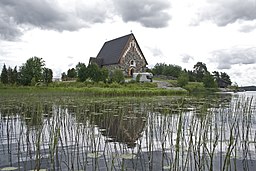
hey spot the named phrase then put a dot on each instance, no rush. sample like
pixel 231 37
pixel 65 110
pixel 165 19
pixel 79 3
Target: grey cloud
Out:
pixel 8 29
pixel 96 13
pixel 156 52
pixel 228 11
pixel 246 28
pixel 149 13
pixel 186 58
pixel 70 64
pixel 70 57
pixel 15 15
pixel 225 58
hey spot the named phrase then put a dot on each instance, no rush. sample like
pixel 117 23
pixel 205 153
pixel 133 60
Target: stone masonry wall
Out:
pixel 132 53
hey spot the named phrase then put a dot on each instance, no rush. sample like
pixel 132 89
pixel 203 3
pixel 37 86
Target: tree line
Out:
pixel 34 72
pixel 94 73
pixel 199 73
pixel 30 73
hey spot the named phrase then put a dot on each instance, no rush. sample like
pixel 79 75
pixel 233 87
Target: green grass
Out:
pixel 94 89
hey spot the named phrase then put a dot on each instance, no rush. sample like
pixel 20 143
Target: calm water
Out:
pixel 74 132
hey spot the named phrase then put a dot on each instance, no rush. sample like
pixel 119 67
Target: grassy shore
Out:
pixel 94 89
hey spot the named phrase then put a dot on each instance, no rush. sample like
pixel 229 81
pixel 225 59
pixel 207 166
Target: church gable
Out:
pixel 132 49
pixel 132 59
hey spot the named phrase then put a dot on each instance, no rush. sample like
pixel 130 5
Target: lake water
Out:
pixel 75 132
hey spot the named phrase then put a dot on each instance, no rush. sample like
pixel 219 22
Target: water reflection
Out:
pixel 169 133
pixel 124 128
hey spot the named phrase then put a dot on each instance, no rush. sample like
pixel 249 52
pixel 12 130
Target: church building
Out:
pixel 122 53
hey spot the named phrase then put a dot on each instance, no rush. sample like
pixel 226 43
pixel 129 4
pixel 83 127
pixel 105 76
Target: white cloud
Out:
pixel 227 12
pixel 65 32
pixel 225 58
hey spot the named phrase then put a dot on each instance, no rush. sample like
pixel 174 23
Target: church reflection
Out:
pixel 123 126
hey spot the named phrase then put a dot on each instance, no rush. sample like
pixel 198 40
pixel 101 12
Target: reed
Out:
pixel 74 131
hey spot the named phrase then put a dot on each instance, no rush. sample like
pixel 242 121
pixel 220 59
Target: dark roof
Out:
pixel 98 61
pixel 112 50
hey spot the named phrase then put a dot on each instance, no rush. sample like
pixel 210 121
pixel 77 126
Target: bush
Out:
pixel 117 76
pixel 183 79
pixel 195 87
pixel 208 81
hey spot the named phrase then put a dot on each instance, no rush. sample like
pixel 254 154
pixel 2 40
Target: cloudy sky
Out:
pixel 220 33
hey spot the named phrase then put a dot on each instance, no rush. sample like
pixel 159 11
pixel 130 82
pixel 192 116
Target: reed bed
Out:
pixel 76 132
pixel 134 91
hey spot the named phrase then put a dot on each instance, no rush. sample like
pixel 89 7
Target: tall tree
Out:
pixel 82 72
pixel 225 77
pixel 47 75
pixel 10 75
pixel 216 76
pixel 4 75
pixel 200 70
pixel 104 74
pixel 79 66
pixel 64 77
pixel 32 69
pixel 94 72
pixel 72 73
pixel 15 75
pixel 191 76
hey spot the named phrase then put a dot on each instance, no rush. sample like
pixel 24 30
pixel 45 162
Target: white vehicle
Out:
pixel 144 77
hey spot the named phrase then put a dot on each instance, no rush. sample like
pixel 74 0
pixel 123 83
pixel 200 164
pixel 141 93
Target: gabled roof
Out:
pixel 112 50
pixel 98 61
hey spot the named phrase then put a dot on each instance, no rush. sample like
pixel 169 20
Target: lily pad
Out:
pixel 167 167
pixel 95 155
pixel 9 168
pixel 127 156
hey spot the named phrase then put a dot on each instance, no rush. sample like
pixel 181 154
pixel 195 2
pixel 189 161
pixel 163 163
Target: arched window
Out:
pixel 132 63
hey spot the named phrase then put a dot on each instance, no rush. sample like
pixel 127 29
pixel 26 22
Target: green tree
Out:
pixel 64 77
pixel 79 66
pixel 183 79
pixel 167 70
pixel 172 70
pixel 225 77
pixel 94 72
pixel 191 76
pixel 15 75
pixel 33 68
pixel 10 75
pixel 208 81
pixel 200 70
pixel 4 75
pixel 158 69
pixel 216 76
pixel 117 76
pixel 82 72
pixel 72 73
pixel 104 74
pixel 47 75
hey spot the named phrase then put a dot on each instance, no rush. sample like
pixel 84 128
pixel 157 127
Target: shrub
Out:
pixel 183 79
pixel 117 76
pixel 195 87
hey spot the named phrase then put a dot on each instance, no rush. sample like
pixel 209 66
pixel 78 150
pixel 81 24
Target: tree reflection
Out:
pixel 124 125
